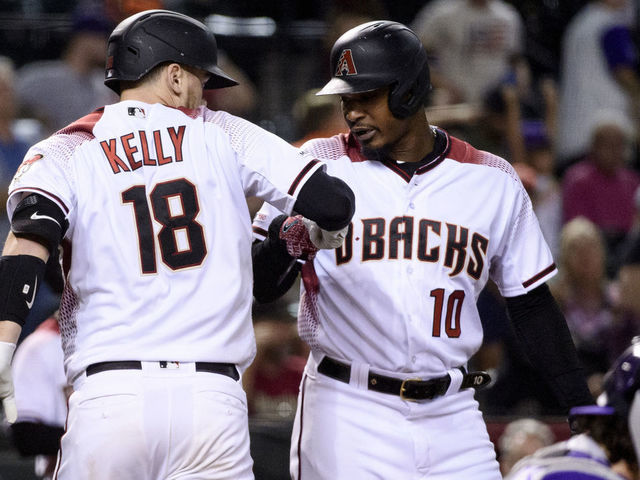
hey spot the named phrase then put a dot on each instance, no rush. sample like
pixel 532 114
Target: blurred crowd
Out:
pixel 551 86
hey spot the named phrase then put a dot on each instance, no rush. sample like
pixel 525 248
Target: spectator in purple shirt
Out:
pixel 601 187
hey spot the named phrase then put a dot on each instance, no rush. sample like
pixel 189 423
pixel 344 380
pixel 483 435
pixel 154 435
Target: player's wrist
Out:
pixel 6 381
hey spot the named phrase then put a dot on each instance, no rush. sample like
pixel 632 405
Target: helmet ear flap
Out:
pixel 407 98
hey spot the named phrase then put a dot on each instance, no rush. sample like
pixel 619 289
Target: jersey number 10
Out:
pixel 172 224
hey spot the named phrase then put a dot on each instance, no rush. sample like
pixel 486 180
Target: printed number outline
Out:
pixel 452 314
pixel 172 257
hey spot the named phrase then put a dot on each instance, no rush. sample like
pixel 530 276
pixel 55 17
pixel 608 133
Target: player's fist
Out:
pixel 324 238
pixel 294 233
pixel 6 381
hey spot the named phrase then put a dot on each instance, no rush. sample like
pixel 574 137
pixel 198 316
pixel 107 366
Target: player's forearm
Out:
pixel 542 330
pixel 24 246
pixel 22 264
pixel 9 331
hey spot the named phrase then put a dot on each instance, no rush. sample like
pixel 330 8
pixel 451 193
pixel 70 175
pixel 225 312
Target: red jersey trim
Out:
pixel 353 147
pixel 45 193
pixel 260 231
pixel 84 124
pixel 538 276
pixel 301 175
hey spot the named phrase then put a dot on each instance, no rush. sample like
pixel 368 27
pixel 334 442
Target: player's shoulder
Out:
pixel 341 146
pixel 67 139
pixel 463 152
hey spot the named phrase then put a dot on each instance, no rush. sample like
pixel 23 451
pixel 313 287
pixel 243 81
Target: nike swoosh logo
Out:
pixel 33 295
pixel 35 216
pixel 289 225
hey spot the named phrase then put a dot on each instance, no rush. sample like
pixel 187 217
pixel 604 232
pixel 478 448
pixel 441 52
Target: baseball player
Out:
pixel 41 393
pixel 608 442
pixel 155 314
pixel 391 316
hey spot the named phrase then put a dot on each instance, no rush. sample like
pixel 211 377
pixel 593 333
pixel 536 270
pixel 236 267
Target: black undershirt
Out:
pixel 439 146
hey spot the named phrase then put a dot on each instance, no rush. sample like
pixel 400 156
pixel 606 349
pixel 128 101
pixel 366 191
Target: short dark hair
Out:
pixel 150 76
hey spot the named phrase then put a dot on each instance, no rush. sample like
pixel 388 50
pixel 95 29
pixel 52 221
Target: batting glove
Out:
pixel 6 381
pixel 293 232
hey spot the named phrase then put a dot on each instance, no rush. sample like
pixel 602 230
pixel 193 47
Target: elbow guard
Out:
pixel 41 220
pixel 20 276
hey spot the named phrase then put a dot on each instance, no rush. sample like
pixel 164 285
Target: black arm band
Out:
pixel 274 270
pixel 36 438
pixel 39 219
pixel 326 200
pixel 20 278
pixel 542 332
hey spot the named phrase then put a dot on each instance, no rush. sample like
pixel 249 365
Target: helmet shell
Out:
pixel 381 54
pixel 144 40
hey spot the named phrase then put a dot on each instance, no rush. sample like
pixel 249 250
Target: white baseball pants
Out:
pixel 154 424
pixel 343 431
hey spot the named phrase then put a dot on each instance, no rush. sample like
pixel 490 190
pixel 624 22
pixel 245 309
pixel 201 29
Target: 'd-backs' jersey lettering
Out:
pixel 400 293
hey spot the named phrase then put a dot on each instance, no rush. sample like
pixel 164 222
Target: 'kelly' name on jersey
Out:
pixel 132 151
pixel 460 247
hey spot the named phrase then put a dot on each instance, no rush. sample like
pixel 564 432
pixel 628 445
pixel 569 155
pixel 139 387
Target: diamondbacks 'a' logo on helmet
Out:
pixel 345 64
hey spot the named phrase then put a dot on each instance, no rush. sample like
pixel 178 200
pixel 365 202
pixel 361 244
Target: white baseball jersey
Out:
pixel 159 228
pixel 400 294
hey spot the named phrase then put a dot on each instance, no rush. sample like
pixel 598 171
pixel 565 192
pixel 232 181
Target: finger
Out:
pixel 10 410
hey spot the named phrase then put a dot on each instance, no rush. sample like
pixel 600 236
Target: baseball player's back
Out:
pixel 155 316
pixel 155 198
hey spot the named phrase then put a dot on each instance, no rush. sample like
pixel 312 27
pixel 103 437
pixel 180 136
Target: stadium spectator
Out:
pixel 463 36
pixel 587 299
pixel 12 148
pixel 598 71
pixel 602 187
pixel 57 92
pixel 520 438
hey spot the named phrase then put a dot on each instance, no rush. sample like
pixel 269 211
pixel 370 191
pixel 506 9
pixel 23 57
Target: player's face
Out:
pixel 368 116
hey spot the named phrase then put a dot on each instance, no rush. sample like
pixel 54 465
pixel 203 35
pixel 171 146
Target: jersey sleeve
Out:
pixel 270 168
pixel 524 260
pixel 46 169
pixel 263 219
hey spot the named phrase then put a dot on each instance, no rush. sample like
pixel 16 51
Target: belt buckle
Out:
pixel 403 389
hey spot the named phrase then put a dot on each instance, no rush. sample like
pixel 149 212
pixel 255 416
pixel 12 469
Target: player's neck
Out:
pixel 416 144
pixel 147 94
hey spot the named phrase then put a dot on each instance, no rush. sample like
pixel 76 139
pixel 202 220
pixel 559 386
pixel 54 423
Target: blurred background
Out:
pixel 550 85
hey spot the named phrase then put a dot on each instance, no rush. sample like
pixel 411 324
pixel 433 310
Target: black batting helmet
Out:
pixel 147 39
pixel 379 54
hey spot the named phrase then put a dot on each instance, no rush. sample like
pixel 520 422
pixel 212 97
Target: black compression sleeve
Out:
pixel 274 270
pixel 326 200
pixel 31 438
pixel 542 331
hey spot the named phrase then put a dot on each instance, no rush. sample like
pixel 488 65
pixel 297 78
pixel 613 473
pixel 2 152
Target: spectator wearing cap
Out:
pixel 57 92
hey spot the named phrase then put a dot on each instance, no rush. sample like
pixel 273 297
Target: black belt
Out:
pixel 410 389
pixel 228 369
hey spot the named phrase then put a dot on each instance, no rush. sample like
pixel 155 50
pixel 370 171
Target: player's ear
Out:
pixel 174 77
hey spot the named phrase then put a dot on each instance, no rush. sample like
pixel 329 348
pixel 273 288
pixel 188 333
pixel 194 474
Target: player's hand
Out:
pixel 293 232
pixel 324 238
pixel 6 381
